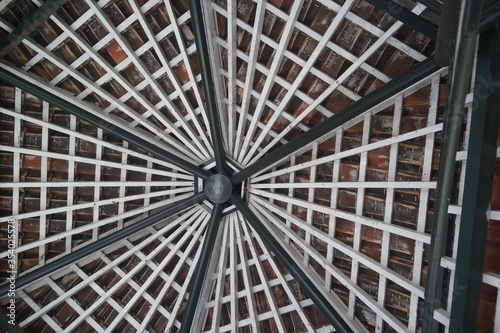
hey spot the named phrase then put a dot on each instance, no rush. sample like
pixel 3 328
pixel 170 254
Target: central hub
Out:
pixel 218 188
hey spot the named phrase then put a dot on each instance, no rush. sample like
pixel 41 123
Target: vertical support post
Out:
pixel 414 75
pixel 478 186
pixel 459 80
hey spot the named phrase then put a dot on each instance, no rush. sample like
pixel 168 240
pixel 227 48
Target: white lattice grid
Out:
pixel 305 226
pixel 142 271
pixel 246 147
pixel 187 132
pixel 169 186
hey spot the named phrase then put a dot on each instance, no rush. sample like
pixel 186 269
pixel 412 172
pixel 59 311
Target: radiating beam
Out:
pixel 95 120
pixel 432 5
pixel 311 290
pixel 208 85
pixel 464 50
pixel 406 16
pixel 103 242
pixel 30 24
pixel 200 273
pixel 357 108
pixel 480 170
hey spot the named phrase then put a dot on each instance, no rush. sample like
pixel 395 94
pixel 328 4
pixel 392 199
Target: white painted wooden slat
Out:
pixel 250 75
pixel 388 209
pixel 86 227
pixel 233 279
pixel 232 41
pixel 196 224
pixel 332 221
pixel 289 206
pixel 173 274
pixel 97 189
pixel 352 286
pixel 344 76
pixel 191 75
pixel 71 158
pixel 310 198
pixel 72 291
pixel 273 71
pixel 424 197
pixel 220 280
pixel 332 28
pixel 250 296
pixel 348 216
pixel 98 141
pixel 98 184
pixel 495 215
pixel 147 76
pixel 211 30
pixel 337 185
pixel 360 197
pixel 16 170
pixel 354 151
pixel 43 177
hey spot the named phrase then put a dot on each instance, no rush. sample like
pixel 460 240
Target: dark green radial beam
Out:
pixel 393 87
pixel 208 85
pixel 150 147
pixel 407 17
pixel 200 272
pixel 71 258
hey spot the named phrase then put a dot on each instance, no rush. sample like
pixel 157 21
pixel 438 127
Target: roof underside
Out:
pixel 354 209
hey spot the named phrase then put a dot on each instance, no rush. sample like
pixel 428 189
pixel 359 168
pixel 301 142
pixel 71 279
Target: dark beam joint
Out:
pixel 98 245
pixel 459 81
pixel 208 85
pixel 30 24
pixel 311 290
pixel 390 89
pixel 200 273
pixel 406 16
pixel 151 147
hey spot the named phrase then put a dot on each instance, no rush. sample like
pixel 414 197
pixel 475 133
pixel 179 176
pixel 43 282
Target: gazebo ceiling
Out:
pixel 325 115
